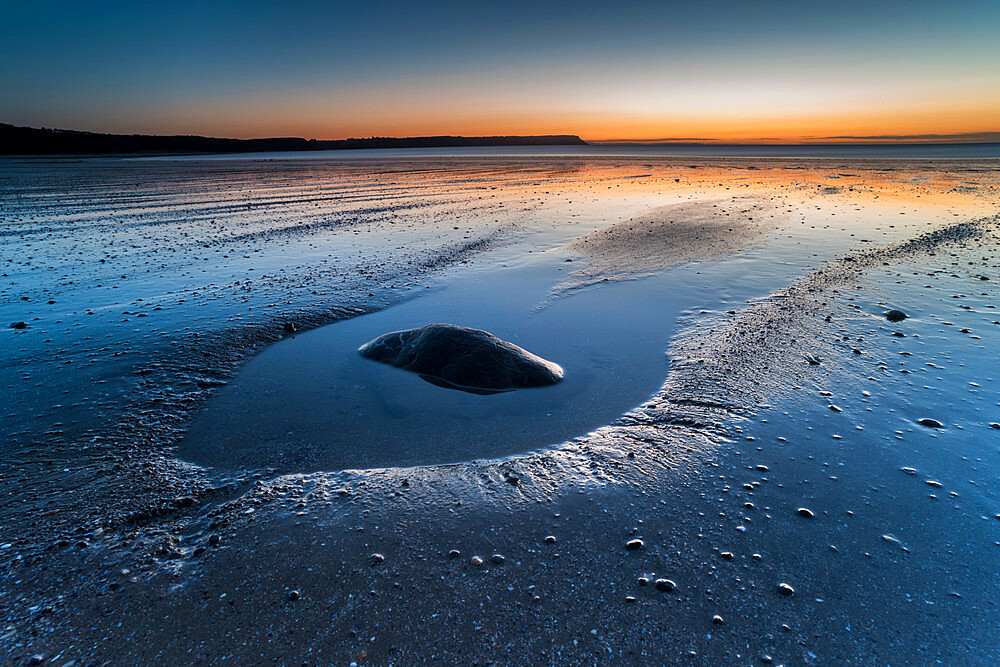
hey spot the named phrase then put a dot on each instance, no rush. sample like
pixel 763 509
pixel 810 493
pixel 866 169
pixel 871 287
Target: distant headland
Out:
pixel 43 141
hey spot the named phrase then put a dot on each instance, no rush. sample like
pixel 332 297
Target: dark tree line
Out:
pixel 41 141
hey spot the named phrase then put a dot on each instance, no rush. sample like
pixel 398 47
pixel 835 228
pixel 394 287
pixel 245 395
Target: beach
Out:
pixel 197 466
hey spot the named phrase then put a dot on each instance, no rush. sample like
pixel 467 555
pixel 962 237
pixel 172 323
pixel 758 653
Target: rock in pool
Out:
pixel 461 358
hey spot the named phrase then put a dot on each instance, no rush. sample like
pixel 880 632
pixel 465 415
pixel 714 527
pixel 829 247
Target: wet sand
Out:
pixel 786 389
pixel 669 236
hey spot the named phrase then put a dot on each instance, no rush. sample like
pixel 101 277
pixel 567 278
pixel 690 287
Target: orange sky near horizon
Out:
pixel 337 120
pixel 742 105
pixel 719 70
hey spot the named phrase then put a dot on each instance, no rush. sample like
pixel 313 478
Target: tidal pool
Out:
pixel 312 402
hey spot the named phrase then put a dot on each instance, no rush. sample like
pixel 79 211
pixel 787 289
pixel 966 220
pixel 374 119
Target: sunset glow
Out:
pixel 722 71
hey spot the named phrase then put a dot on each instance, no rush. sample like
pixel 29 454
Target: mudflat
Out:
pixel 197 466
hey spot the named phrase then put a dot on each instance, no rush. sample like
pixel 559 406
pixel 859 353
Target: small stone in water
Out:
pixel 717 620
pixel 375 559
pixel 476 561
pixel 807 513
pixel 498 559
pixel 895 316
pixel 634 545
pixel 550 539
pixel 785 589
pixel 930 423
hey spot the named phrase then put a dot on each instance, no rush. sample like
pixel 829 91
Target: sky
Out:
pixel 710 70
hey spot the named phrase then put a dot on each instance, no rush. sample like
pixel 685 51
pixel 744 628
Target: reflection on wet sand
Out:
pixel 145 290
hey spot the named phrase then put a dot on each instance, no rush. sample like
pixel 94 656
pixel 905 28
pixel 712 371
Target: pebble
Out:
pixel 293 595
pixel 803 511
pixel 454 553
pixel 476 561
pixel 376 559
pixel 498 559
pixel 665 585
pixel 634 545
pixel 786 590
pixel 19 325
pixel 717 620
pixel 930 423
pixel 895 316
pixel 550 539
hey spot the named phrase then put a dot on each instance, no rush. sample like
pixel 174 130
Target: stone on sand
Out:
pixel 665 585
pixel 895 316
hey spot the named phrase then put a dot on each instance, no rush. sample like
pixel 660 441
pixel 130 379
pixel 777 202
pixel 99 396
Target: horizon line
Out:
pixel 984 137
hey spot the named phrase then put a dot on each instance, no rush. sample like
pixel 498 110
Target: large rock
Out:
pixel 462 358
